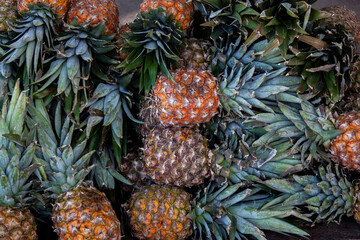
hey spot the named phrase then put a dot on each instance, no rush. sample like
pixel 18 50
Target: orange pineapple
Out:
pixel 7 12
pixel 190 99
pixel 120 41
pixel 94 11
pixel 346 146
pixel 60 7
pixel 181 9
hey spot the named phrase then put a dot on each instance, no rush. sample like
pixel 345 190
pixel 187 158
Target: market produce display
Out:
pixel 201 119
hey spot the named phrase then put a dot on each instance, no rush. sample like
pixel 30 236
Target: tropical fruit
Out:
pixel 346 146
pixel 80 211
pixel 163 212
pixel 7 13
pixel 93 12
pixel 190 99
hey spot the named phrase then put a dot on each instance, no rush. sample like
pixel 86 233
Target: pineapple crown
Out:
pixel 283 20
pixel 237 160
pixel 229 212
pixel 324 60
pixel 327 194
pixel 306 126
pixel 152 43
pixel 252 79
pixel 16 155
pixel 227 18
pixel 108 104
pixel 62 155
pixel 81 51
pixel 33 31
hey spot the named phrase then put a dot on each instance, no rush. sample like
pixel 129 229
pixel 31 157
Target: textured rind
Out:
pixel 85 213
pixel 191 99
pixel 181 9
pixel 346 146
pixel 94 11
pixel 177 156
pixel 60 7
pixel 17 224
pixel 160 213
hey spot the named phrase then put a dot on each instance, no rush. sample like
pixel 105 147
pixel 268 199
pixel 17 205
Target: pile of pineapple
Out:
pixel 201 119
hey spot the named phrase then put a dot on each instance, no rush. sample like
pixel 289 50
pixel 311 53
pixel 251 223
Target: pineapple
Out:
pixel 7 13
pixel 60 7
pixel 16 221
pixel 182 157
pixel 177 156
pixel 346 146
pixel 80 211
pixel 182 10
pixel 219 212
pixel 93 12
pixel 327 194
pixel 190 99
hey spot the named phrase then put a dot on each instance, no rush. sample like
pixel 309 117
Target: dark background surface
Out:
pixel 349 229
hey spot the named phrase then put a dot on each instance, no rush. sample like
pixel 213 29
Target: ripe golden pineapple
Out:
pixel 160 212
pixel 94 11
pixel 177 156
pixel 182 10
pixel 7 12
pixel 17 224
pixel 346 146
pixel 80 211
pixel 170 213
pixel 60 7
pixel 190 99
pixel 88 209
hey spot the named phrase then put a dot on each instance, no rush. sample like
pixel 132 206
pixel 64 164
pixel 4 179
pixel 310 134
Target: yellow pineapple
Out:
pixel 190 99
pixel 80 211
pixel 60 7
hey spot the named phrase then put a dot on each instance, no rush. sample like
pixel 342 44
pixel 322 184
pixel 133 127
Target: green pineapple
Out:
pixel 79 210
pixel 16 168
pixel 217 212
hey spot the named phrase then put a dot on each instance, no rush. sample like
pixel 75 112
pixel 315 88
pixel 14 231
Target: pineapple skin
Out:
pixel 85 213
pixel 160 213
pixel 60 7
pixel 191 99
pixel 177 156
pixel 346 146
pixel 182 10
pixel 94 11
pixel 17 224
